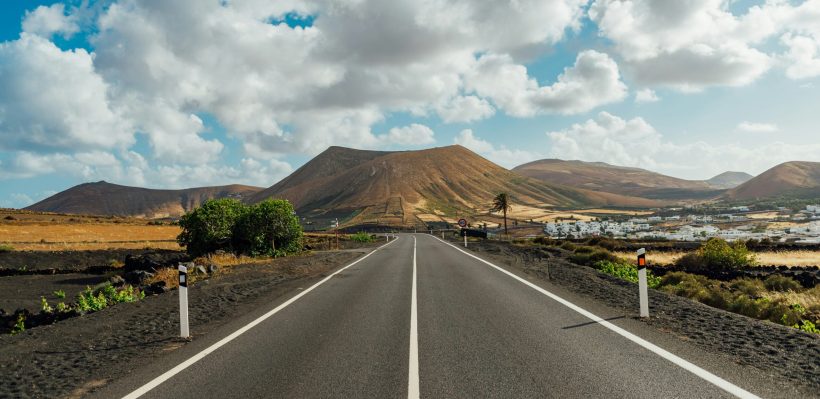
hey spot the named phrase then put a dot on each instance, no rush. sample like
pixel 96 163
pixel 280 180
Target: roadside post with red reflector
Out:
pixel 642 286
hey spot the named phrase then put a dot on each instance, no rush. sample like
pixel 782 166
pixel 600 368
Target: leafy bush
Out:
pixel 6 248
pixel 361 237
pixel 44 306
pixel 625 271
pixel 781 283
pixel 719 254
pixel 269 228
pixel 59 294
pixel 210 227
pixel 87 301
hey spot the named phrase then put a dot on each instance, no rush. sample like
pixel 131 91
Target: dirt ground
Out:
pixel 786 352
pixel 71 356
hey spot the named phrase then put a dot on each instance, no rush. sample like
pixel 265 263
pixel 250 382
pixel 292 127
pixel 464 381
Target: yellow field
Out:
pixel 87 236
pixel 777 258
pixel 763 215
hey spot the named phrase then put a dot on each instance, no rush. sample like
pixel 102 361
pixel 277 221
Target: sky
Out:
pixel 188 93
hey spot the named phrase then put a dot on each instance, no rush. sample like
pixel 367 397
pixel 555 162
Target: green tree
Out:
pixel 719 254
pixel 501 203
pixel 269 228
pixel 210 227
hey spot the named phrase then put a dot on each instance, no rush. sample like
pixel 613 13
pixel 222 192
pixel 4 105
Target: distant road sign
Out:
pixel 462 222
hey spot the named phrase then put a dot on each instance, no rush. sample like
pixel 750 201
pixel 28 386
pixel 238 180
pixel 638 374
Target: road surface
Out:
pixel 420 318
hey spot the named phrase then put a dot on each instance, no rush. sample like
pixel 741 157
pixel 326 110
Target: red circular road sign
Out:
pixel 462 222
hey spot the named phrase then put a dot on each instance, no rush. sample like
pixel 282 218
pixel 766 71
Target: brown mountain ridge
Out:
pixel 103 198
pixel 633 182
pixel 790 179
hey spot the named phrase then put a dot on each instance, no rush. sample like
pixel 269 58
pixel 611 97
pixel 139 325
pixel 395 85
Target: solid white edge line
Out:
pixel 686 365
pixel 199 356
pixel 413 375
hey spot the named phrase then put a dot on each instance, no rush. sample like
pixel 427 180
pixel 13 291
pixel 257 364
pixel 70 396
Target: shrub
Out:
pixel 625 271
pixel 780 283
pixel 361 237
pixel 19 325
pixel 584 250
pixel 748 286
pixel 59 294
pixel 568 246
pixel 718 254
pixel 6 248
pixel 44 306
pixel 691 261
pixel 210 227
pixel 269 228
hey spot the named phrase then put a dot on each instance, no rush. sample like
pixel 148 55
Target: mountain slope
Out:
pixel 396 185
pixel 102 198
pixel 790 179
pixel 727 180
pixel 602 177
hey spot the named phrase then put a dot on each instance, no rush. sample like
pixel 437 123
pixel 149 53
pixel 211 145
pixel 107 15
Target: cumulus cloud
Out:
pixel 804 56
pixel 593 81
pixel 508 158
pixel 646 96
pixel 636 143
pixel 53 100
pixel 696 44
pixel 412 135
pixel 47 21
pixel 465 109
pixel 753 127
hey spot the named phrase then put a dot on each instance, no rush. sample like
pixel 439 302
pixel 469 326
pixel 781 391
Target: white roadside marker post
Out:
pixel 465 238
pixel 183 301
pixel 642 286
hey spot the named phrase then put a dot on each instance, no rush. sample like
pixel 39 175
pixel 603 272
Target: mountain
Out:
pixel 394 187
pixel 102 198
pixel 727 180
pixel 790 179
pixel 602 177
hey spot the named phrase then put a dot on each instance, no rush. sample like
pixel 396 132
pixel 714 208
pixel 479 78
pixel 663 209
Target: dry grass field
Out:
pixel 29 231
pixel 777 258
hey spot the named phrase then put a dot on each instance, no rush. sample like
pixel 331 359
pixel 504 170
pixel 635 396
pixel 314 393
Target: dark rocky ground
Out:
pixel 73 356
pixel 783 352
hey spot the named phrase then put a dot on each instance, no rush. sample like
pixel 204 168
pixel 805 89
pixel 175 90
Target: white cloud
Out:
pixel 695 44
pixel 634 142
pixel 465 109
pixel 46 21
pixel 508 158
pixel 804 56
pixel 413 135
pixel 593 81
pixel 54 100
pixel 753 127
pixel 646 96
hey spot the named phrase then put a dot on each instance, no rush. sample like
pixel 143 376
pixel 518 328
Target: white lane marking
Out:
pixel 413 375
pixel 686 365
pixel 193 359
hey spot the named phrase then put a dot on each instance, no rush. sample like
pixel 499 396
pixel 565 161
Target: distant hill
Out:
pixel 633 182
pixel 392 187
pixel 102 198
pixel 727 180
pixel 790 179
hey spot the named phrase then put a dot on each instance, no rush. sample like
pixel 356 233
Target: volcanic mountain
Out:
pixel 790 179
pixel 729 180
pixel 392 187
pixel 102 198
pixel 634 182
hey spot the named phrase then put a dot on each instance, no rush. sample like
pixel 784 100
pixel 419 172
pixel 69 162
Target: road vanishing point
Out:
pixel 420 317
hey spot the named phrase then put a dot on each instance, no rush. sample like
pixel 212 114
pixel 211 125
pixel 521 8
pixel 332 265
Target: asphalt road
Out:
pixel 477 332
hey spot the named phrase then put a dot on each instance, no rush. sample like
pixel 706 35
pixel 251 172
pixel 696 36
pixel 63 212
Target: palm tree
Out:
pixel 501 202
